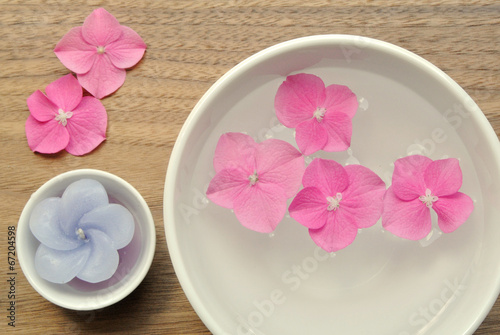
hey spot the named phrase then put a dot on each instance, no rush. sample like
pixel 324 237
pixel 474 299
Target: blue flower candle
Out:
pixel 80 233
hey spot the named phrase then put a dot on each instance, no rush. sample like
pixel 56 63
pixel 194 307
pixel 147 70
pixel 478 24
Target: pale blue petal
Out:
pixel 60 266
pixel 46 226
pixel 114 220
pixel 103 259
pixel 79 198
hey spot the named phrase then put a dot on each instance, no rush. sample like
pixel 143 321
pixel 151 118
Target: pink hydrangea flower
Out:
pixel 419 184
pixel 255 179
pixel 336 201
pixel 100 51
pixel 321 116
pixel 63 119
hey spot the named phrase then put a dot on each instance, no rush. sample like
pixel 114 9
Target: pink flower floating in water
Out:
pixel 322 116
pixel 419 184
pixel 336 201
pixel 255 179
pixel 100 51
pixel 63 119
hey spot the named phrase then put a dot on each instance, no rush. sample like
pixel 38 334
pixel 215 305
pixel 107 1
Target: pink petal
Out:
pixel 341 99
pixel 298 97
pixel 336 234
pixel 453 210
pixel 103 78
pixel 362 200
pixel 339 129
pixel 261 207
pixel 41 108
pixel 235 150
pixel 76 54
pixel 408 177
pixel 327 176
pixel 309 208
pixel 226 186
pixel 101 28
pixel 126 51
pixel 87 126
pixel 443 177
pixel 406 219
pixel 46 137
pixel 65 92
pixel 310 136
pixel 280 163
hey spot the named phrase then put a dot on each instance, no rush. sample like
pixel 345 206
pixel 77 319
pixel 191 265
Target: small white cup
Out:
pixel 135 258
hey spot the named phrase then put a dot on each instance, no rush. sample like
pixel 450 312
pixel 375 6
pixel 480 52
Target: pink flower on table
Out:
pixel 63 119
pixel 419 184
pixel 255 179
pixel 321 116
pixel 100 51
pixel 336 201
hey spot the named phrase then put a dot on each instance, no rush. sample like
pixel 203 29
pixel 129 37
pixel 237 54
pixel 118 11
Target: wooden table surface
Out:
pixel 190 45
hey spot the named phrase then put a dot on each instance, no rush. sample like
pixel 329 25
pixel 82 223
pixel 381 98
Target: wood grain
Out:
pixel 190 45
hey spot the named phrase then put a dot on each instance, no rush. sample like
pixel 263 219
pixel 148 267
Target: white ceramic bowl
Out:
pixel 243 282
pixel 135 258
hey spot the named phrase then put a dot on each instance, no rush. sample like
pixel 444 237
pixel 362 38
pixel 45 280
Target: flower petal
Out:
pixel 101 28
pixel 41 108
pixel 127 50
pixel 336 234
pixel 261 207
pixel 406 219
pixel 309 208
pixel 80 197
pixel 225 187
pixel 339 129
pixel 103 78
pixel 45 225
pixel 340 98
pixel 453 210
pixel 103 259
pixel 60 266
pixel 235 150
pixel 74 52
pixel 443 177
pixel 114 220
pixel 298 97
pixel 327 176
pixel 362 200
pixel 46 137
pixel 280 163
pixel 408 177
pixel 87 126
pixel 311 136
pixel 65 92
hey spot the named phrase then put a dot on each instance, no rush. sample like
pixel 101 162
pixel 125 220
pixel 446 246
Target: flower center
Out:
pixel 63 117
pixel 334 202
pixel 319 113
pixel 81 234
pixel 100 50
pixel 253 178
pixel 428 199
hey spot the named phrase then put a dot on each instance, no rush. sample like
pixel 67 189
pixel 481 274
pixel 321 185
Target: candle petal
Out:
pixel 79 198
pixel 60 266
pixel 103 259
pixel 45 224
pixel 114 220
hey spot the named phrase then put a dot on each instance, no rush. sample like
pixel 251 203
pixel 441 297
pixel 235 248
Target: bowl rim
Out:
pixel 269 52
pixel 147 250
